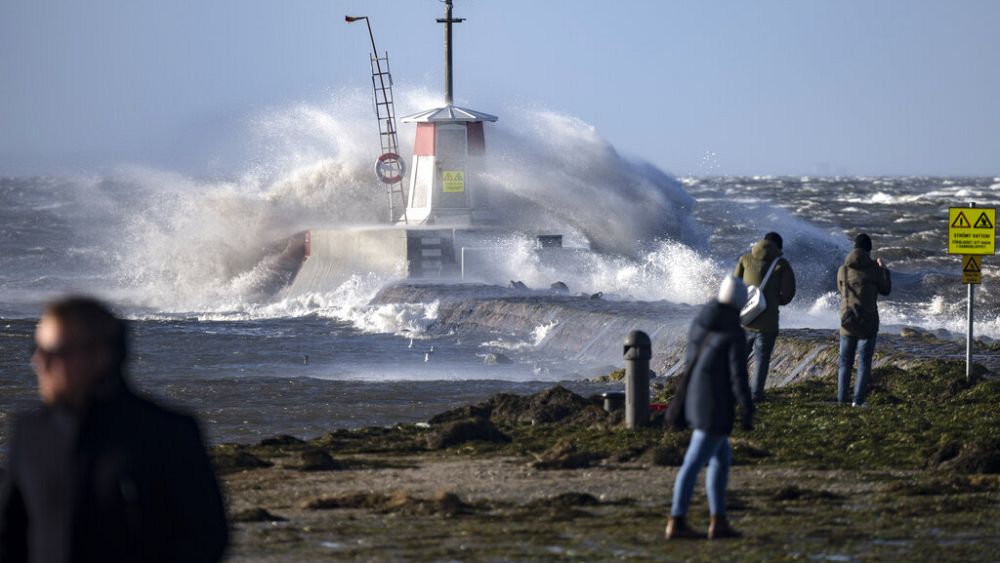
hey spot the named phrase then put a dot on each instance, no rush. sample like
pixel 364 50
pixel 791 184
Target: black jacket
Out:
pixel 860 280
pixel 125 481
pixel 718 379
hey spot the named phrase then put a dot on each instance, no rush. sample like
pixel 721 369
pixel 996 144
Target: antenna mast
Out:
pixel 449 90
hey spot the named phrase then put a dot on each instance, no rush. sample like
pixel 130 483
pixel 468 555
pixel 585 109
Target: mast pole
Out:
pixel 449 90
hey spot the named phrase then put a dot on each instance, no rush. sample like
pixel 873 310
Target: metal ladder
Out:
pixel 385 111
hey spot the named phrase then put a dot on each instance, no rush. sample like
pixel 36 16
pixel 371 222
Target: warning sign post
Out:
pixel 972 269
pixel 972 232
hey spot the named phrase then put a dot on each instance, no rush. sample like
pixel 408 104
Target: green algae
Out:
pixel 924 416
pixel 819 480
pixel 912 413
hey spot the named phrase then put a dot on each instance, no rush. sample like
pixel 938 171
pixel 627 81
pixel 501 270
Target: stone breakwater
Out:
pixel 592 330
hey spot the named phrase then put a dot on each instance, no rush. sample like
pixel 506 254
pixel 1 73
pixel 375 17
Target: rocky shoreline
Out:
pixel 553 476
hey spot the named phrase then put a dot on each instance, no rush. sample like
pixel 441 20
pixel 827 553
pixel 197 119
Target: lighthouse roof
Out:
pixel 448 114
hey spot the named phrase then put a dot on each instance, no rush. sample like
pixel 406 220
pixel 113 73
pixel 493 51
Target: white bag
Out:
pixel 756 304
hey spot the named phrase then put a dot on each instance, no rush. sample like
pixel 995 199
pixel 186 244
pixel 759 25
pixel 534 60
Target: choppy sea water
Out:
pixel 255 366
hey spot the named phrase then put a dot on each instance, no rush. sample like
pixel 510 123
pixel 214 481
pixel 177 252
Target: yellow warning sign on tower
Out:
pixel 972 230
pixel 453 181
pixel 972 269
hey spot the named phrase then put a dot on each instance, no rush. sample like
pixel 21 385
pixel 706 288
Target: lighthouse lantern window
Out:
pixel 452 141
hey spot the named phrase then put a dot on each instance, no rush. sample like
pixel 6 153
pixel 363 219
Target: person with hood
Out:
pixel 860 280
pixel 779 290
pixel 97 472
pixel 714 382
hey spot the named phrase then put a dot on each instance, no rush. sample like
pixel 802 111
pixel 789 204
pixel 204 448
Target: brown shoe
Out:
pixel 719 528
pixel 678 529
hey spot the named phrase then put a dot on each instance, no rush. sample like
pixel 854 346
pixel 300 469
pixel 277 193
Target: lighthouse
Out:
pixel 448 157
pixel 446 230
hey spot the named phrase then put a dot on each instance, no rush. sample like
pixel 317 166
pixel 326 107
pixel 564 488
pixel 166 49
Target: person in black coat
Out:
pixel 98 473
pixel 714 383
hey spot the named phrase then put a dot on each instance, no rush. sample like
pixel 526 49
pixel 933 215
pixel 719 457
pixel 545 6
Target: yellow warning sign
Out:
pixel 453 181
pixel 972 269
pixel 972 230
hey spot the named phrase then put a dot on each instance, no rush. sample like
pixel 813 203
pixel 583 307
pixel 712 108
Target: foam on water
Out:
pixel 169 245
pixel 213 247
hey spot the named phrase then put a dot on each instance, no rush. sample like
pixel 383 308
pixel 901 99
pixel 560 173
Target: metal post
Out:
pixel 447 21
pixel 638 351
pixel 968 334
pixel 448 86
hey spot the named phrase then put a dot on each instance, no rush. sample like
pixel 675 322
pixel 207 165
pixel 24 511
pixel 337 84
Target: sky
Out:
pixel 740 87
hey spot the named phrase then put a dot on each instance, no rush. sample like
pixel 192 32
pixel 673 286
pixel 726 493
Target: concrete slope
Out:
pixel 593 330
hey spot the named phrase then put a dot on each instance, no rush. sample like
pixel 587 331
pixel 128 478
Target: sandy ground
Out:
pixel 510 511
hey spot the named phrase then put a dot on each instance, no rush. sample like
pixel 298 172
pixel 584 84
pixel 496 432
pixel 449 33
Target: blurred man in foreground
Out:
pixel 98 473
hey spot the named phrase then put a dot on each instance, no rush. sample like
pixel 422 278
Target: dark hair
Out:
pixel 863 241
pixel 775 238
pixel 94 323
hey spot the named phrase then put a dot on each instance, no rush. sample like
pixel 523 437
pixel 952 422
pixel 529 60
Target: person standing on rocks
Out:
pixel 98 473
pixel 860 280
pixel 714 382
pixel 764 265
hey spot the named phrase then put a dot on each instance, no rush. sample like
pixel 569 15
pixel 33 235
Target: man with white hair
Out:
pixel 713 383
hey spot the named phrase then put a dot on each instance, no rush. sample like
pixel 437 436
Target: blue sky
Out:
pixel 730 87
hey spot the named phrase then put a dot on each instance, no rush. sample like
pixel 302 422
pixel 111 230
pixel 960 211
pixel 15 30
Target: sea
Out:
pixel 192 263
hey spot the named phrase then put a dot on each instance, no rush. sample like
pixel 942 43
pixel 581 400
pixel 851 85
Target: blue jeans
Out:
pixel 759 347
pixel 714 450
pixel 866 351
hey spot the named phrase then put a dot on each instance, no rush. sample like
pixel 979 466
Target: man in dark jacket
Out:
pixel 716 383
pixel 98 473
pixel 860 280
pixel 779 291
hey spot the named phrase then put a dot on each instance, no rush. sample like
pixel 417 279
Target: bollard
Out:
pixel 638 351
pixel 613 401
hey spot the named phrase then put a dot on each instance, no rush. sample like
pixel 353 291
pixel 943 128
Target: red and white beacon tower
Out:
pixel 448 158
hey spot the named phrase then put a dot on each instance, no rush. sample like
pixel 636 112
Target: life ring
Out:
pixel 384 166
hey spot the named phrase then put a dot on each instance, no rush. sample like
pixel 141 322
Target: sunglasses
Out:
pixel 49 354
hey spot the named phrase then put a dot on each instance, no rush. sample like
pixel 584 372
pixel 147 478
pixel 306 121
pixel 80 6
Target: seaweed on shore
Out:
pixel 913 413
pixel 924 416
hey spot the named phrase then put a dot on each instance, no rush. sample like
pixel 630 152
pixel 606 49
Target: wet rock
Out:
pixel 980 456
pixel 946 452
pixel 230 459
pixel 744 450
pixel 462 431
pixel 443 503
pixel 281 440
pixel 614 375
pixel 255 514
pixel 556 404
pixel 794 492
pixel 559 287
pixel 313 460
pixel 566 500
pixel 664 456
pixel 496 358
pixel 349 500
pixel 551 405
pixel 518 285
pixel 565 455
pixel 910 332
pixel 449 504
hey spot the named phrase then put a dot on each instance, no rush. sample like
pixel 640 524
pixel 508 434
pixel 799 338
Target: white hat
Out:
pixel 733 292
